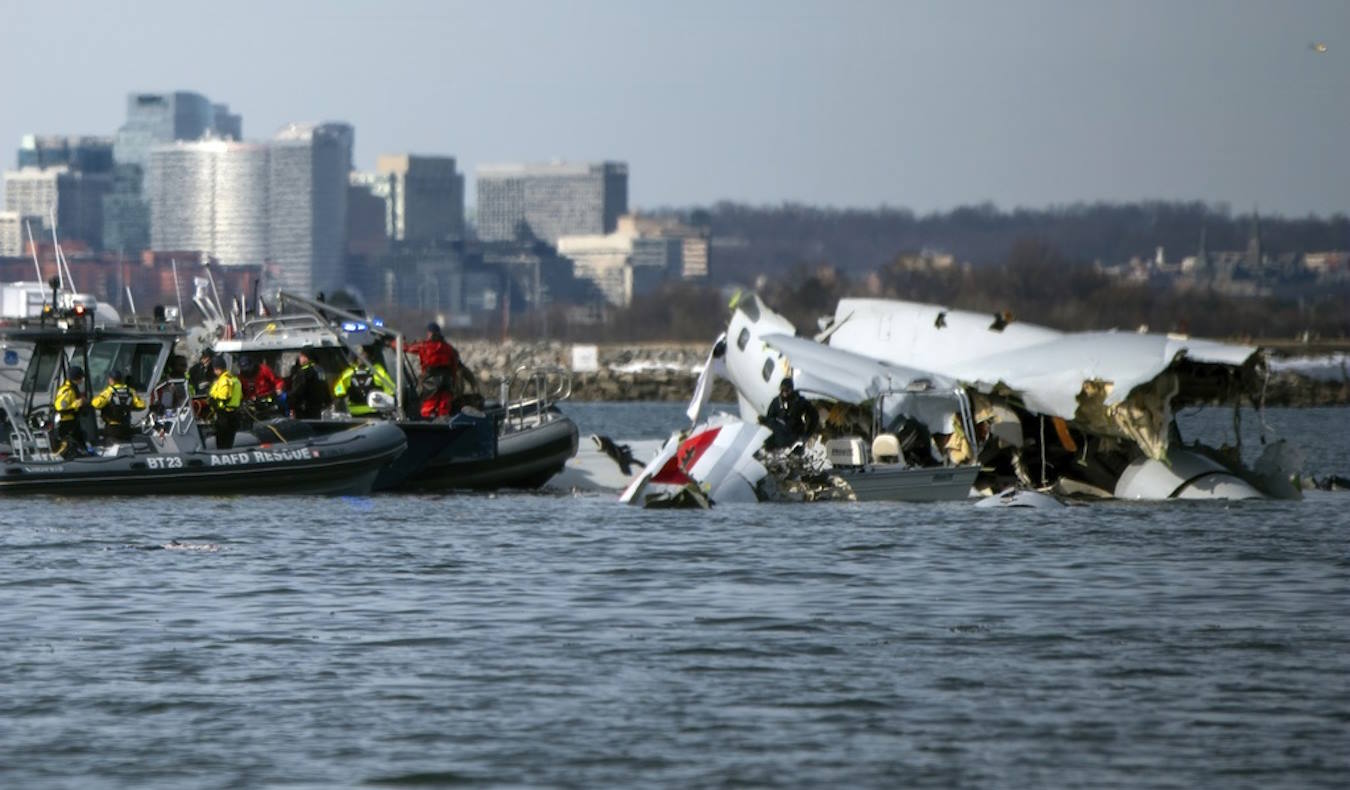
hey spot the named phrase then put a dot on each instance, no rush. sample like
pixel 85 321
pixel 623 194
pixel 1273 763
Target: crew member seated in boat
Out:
pixel 261 386
pixel 115 403
pixel 200 376
pixel 360 379
pixel 439 361
pixel 791 417
pixel 69 401
pixel 226 394
pixel 306 392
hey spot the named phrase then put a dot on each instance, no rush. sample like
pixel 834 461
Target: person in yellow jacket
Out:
pixel 115 403
pixel 70 437
pixel 226 394
pixel 361 378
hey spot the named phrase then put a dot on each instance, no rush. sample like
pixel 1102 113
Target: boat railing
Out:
pixel 25 442
pixel 528 395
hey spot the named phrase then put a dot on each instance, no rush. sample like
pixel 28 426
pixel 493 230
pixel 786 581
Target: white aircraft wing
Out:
pixel 847 377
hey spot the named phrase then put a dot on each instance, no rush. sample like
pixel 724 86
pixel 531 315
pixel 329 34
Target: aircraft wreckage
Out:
pixel 919 402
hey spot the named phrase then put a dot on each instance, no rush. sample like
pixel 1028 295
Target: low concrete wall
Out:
pixel 644 372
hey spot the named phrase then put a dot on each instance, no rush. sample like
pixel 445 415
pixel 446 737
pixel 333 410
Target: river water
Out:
pixel 567 641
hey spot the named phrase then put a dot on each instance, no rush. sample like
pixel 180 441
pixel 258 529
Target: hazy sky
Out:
pixel 925 105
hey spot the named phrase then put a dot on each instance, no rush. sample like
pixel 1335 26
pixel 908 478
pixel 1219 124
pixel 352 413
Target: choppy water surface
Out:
pixel 533 640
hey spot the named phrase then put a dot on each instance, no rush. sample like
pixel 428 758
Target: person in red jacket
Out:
pixel 261 385
pixel 439 362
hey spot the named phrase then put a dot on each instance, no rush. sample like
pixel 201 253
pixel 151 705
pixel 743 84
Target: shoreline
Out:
pixel 669 371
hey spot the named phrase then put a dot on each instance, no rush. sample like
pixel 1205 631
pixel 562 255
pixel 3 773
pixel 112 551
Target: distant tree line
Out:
pixel 753 240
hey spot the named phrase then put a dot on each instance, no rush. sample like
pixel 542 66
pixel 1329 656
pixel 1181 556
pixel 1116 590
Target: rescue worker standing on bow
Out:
pixel 439 361
pixel 361 378
pixel 226 394
pixel 115 403
pixel 69 402
pixel 791 417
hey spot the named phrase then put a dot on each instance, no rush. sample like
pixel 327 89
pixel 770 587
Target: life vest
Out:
pixel 120 402
pixel 227 392
pixel 68 401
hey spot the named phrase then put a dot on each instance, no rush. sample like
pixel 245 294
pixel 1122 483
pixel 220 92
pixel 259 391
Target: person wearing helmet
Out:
pixel 226 394
pixel 361 378
pixel 115 403
pixel 69 400
pixel 440 363
pixel 791 417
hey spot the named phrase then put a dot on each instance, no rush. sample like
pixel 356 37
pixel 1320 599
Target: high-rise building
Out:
pixel 210 196
pixel 154 119
pixel 73 197
pixel 282 202
pixel 547 201
pixel 425 197
pixel 11 234
pixel 126 214
pixel 79 153
pixel 307 206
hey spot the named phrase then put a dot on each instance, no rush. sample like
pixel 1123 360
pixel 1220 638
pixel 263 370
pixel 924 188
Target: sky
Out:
pixel 853 103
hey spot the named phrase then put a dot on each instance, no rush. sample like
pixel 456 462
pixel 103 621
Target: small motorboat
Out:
pixel 170 453
pixel 518 440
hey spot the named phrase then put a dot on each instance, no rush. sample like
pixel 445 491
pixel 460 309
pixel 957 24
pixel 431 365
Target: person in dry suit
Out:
pixel 791 417
pixel 226 394
pixel 116 403
pixel 68 403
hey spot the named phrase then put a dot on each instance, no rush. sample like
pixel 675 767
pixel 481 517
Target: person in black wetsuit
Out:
pixel 307 392
pixel 791 417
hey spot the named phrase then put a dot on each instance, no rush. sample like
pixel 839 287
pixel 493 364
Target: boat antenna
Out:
pixel 61 256
pixel 177 292
pixel 37 268
pixel 220 310
pixel 60 274
pixel 131 300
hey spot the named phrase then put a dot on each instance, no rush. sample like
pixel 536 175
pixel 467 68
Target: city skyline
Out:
pixel 922 106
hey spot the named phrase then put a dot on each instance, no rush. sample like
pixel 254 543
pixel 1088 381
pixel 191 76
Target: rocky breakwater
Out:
pixel 638 371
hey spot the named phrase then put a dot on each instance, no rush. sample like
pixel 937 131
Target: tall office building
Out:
pixel 73 197
pixel 79 153
pixel 12 235
pixel 548 201
pixel 425 197
pixel 282 203
pixel 210 196
pixel 154 119
pixel 307 206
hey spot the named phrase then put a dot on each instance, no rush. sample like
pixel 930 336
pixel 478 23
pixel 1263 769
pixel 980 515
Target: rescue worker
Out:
pixel 440 362
pixel 791 417
pixel 115 403
pixel 68 403
pixel 306 393
pixel 200 376
pixel 260 385
pixel 226 394
pixel 361 378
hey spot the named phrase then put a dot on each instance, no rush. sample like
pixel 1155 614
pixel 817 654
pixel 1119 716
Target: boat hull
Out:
pixel 524 459
pixel 910 484
pixel 343 463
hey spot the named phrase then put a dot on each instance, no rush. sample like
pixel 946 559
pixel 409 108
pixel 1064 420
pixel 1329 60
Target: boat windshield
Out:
pixel 136 360
pixel 41 367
